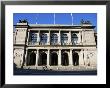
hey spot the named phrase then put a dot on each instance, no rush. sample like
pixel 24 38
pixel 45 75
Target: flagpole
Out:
pixel 54 18
pixel 36 19
pixel 72 18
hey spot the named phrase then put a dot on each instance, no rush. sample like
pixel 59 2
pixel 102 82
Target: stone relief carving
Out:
pixel 85 22
pixel 23 21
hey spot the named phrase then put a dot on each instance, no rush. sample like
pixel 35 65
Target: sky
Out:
pixel 60 18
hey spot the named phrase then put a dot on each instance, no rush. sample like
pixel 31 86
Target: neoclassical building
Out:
pixel 56 47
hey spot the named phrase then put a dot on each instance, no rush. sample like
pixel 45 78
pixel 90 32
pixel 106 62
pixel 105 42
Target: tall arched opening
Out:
pixel 65 59
pixel 43 59
pixel 54 59
pixel 75 59
pixel 32 59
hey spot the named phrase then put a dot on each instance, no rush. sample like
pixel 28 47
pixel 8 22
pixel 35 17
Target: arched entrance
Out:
pixel 43 59
pixel 75 59
pixel 54 59
pixel 65 60
pixel 32 60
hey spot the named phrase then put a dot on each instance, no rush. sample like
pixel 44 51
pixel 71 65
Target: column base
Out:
pixel 48 43
pixel 59 65
pixel 70 65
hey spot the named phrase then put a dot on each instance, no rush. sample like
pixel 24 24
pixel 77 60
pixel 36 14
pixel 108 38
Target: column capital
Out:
pixel 71 49
pixel 82 49
pixel 69 30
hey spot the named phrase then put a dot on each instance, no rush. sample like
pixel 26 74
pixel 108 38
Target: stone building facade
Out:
pixel 55 46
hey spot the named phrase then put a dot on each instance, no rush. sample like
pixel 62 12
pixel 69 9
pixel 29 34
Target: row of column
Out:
pixel 59 37
pixel 81 58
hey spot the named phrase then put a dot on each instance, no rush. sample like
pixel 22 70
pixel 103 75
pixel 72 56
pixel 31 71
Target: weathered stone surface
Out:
pixel 84 46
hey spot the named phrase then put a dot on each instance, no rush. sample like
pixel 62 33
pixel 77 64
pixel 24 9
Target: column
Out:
pixel 80 37
pixel 39 37
pixel 48 38
pixel 59 38
pixel 83 38
pixel 81 58
pixel 48 57
pixel 85 54
pixel 59 58
pixel 26 56
pixel 37 57
pixel 70 37
pixel 70 58
pixel 28 38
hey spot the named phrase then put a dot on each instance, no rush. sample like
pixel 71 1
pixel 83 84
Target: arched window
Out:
pixel 43 39
pixel 74 39
pixel 54 39
pixel 64 38
pixel 33 38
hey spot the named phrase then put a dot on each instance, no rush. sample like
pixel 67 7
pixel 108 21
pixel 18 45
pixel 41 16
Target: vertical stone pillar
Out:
pixel 70 58
pixel 85 56
pixel 59 58
pixel 80 37
pixel 39 37
pixel 48 57
pixel 70 38
pixel 48 42
pixel 83 38
pixel 81 58
pixel 37 57
pixel 26 57
pixel 59 38
pixel 28 38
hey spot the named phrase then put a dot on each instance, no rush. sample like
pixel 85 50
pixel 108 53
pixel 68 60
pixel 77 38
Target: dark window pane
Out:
pixel 54 39
pixel 33 38
pixel 74 39
pixel 43 38
pixel 64 38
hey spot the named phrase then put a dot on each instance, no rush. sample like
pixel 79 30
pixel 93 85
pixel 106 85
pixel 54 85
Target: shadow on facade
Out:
pixel 43 59
pixel 54 59
pixel 75 59
pixel 65 59
pixel 20 71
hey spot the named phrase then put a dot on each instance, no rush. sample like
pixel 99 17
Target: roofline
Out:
pixel 54 26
